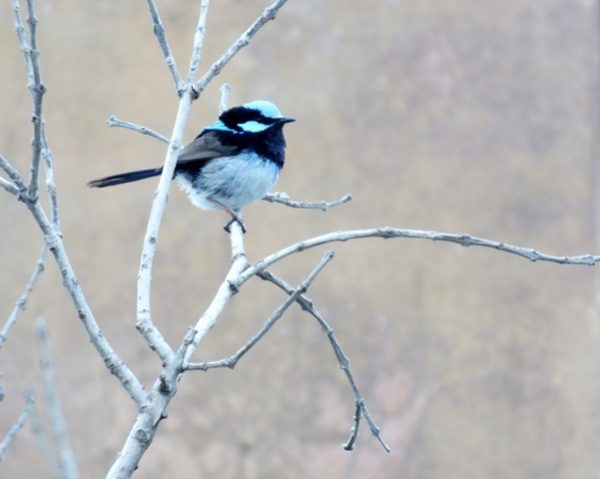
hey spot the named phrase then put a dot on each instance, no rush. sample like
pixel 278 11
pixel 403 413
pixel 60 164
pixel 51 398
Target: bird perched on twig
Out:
pixel 230 164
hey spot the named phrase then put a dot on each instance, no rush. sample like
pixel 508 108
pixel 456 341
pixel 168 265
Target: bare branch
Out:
pixel 53 235
pixel 387 232
pixel 225 292
pixel 268 14
pixel 35 85
pixel 54 241
pixel 22 301
pixel 113 121
pixel 37 90
pixel 14 175
pixel 20 30
pixel 9 187
pixel 284 199
pixel 19 423
pixel 39 434
pixel 159 31
pixel 66 459
pixel 343 361
pixel 349 444
pixel 224 92
pixel 196 55
pixel 231 361
pixel 144 322
pixel 50 183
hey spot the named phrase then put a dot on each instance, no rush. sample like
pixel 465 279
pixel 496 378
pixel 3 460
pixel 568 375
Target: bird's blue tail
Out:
pixel 124 178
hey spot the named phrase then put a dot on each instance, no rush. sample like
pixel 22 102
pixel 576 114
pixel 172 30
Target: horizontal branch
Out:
pixel 284 199
pixel 387 233
pixel 113 121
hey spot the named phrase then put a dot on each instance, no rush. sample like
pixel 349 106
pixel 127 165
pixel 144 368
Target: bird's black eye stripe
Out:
pixel 239 115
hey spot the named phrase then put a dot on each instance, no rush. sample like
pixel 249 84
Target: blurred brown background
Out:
pixel 468 116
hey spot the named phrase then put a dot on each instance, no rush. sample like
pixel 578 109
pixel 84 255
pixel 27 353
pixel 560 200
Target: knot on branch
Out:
pixel 143 437
pixel 466 240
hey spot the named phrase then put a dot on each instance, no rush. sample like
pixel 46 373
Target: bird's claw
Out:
pixel 227 227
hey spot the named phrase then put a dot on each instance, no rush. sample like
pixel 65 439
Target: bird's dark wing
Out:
pixel 206 146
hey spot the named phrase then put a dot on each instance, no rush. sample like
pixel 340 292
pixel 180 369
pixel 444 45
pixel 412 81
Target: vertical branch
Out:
pixel 36 89
pixel 224 91
pixel 225 292
pixel 50 182
pixel 144 321
pixel 198 41
pixel 66 459
pixel 43 443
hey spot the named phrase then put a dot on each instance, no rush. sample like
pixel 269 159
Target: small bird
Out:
pixel 230 164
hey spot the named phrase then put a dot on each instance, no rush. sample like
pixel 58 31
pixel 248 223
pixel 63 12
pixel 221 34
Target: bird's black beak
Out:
pixel 285 120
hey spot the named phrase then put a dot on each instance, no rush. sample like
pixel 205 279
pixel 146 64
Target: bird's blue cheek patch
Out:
pixel 253 126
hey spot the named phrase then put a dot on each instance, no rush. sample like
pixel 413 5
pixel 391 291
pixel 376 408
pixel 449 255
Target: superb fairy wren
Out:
pixel 230 164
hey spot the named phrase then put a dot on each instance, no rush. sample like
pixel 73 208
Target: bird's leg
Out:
pixel 235 216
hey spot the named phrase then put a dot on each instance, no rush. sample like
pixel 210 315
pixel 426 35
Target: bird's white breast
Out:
pixel 230 181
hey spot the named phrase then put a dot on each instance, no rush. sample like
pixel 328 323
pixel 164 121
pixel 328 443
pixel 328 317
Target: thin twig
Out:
pixel 22 301
pixel 387 232
pixel 19 423
pixel 269 13
pixel 14 175
pixel 113 121
pixel 36 88
pixel 232 360
pixel 224 92
pixel 159 31
pixel 66 458
pixel 196 55
pixel 343 361
pixel 50 182
pixel 349 444
pixel 20 30
pixel 284 199
pixel 9 187
pixel 40 436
